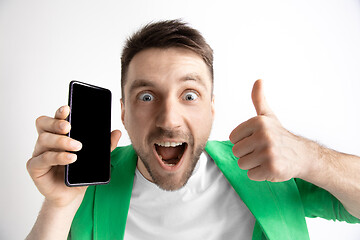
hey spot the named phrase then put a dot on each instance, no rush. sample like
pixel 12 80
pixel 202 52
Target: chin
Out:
pixel 170 158
pixel 175 176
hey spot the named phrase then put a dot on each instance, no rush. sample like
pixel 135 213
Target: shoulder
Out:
pixel 121 155
pixel 220 148
pixel 222 144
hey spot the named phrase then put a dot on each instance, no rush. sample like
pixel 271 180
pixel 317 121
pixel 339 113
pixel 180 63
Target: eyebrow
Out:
pixel 194 77
pixel 198 79
pixel 138 83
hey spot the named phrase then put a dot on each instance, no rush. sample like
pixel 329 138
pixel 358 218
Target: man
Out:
pixel 172 183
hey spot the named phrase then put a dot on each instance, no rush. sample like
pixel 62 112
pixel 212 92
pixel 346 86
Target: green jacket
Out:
pixel 279 208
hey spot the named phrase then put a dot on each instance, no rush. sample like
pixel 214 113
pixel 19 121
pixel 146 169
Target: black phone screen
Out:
pixel 90 119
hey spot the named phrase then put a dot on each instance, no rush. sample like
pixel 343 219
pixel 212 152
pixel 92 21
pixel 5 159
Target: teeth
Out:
pixel 170 164
pixel 169 144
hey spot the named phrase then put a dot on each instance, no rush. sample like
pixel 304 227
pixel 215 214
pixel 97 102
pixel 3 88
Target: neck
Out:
pixel 142 169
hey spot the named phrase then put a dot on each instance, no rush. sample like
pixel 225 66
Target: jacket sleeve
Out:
pixel 318 202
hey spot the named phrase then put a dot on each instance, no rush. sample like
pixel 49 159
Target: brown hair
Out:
pixel 165 34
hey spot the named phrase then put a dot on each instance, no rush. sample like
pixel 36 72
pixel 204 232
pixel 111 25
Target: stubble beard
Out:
pixel 167 182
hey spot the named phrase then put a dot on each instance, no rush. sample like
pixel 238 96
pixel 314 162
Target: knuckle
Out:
pixel 269 154
pixel 61 141
pixel 250 175
pixel 59 158
pixel 266 138
pixel 45 156
pixel 254 174
pixel 237 150
pixel 28 165
pixel 52 158
pixel 261 122
pixel 234 150
pixel 239 163
pixel 39 120
pixel 253 121
pixel 272 178
pixel 242 164
pixel 55 125
pixel 63 126
pixel 274 169
pixel 42 139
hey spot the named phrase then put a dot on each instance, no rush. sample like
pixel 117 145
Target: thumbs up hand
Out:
pixel 261 106
pixel 265 148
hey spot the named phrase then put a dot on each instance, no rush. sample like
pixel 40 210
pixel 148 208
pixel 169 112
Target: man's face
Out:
pixel 168 113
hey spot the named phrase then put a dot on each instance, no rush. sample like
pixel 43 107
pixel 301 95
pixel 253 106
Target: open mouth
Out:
pixel 170 153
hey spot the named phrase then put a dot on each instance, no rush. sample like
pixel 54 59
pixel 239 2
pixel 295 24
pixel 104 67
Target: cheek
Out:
pixel 137 119
pixel 201 120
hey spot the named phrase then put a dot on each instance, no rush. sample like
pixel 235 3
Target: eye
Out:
pixel 146 97
pixel 190 96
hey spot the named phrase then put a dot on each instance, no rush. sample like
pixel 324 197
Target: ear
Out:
pixel 122 112
pixel 213 106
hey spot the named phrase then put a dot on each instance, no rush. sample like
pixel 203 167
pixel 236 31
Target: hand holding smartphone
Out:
pixel 90 119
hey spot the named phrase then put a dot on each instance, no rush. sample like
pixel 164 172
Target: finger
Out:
pixel 48 141
pixel 250 161
pixel 244 147
pixel 259 101
pixel 40 165
pixel 242 131
pixel 62 113
pixel 257 174
pixel 115 136
pixel 52 125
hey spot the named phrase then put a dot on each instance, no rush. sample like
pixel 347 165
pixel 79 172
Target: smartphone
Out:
pixel 90 119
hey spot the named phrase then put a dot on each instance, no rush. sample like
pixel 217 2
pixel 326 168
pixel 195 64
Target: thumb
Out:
pixel 259 101
pixel 115 137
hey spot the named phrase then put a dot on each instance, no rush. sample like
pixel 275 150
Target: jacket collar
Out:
pixel 276 206
pixel 112 201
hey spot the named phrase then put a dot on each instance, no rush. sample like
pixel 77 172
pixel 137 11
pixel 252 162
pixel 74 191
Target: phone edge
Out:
pixel 66 179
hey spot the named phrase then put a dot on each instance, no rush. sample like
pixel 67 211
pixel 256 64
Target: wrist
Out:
pixel 70 199
pixel 54 221
pixel 320 161
pixel 51 208
pixel 312 159
pixel 61 205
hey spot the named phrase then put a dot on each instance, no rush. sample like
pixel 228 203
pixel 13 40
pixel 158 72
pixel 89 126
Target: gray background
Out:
pixel 306 51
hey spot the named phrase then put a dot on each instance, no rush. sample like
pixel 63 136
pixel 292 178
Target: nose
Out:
pixel 169 115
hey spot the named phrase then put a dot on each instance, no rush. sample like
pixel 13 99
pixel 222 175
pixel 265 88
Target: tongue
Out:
pixel 168 153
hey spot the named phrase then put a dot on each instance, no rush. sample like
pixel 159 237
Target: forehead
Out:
pixel 166 66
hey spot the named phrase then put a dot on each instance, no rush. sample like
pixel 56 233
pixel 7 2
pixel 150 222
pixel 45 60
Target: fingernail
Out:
pixel 63 125
pixel 72 157
pixel 76 144
pixel 61 109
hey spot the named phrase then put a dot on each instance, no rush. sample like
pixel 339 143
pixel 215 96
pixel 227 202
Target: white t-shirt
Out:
pixel 207 207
